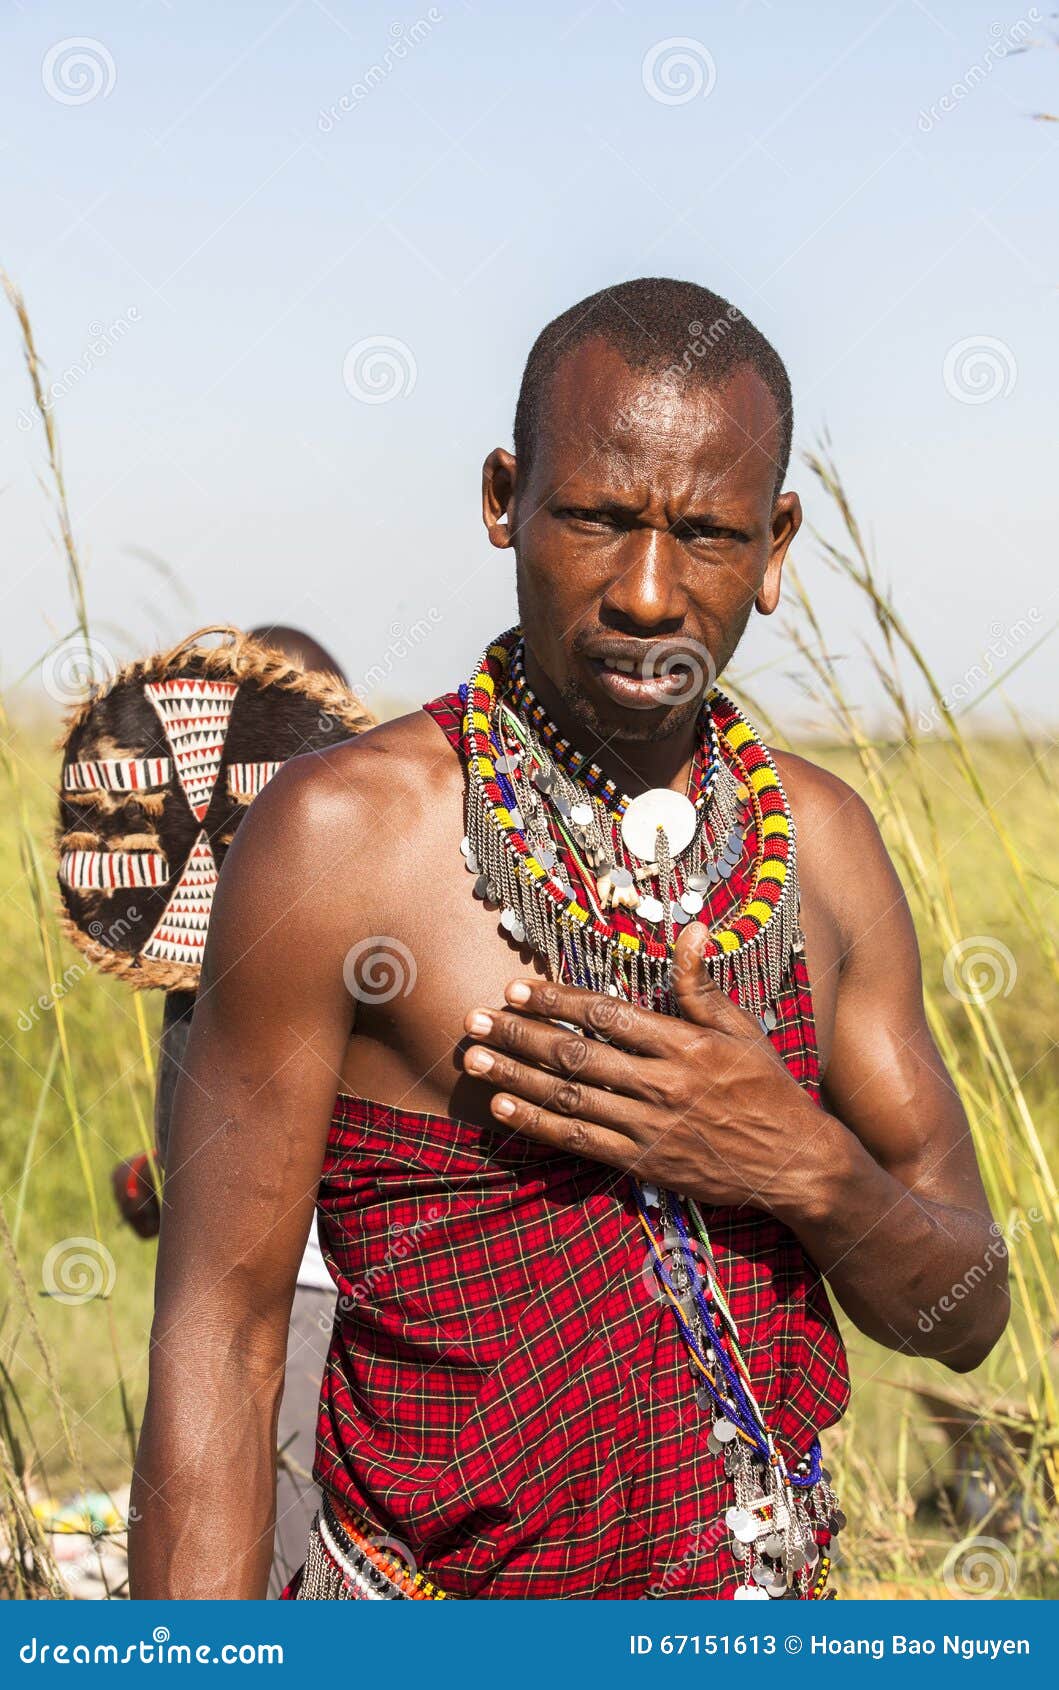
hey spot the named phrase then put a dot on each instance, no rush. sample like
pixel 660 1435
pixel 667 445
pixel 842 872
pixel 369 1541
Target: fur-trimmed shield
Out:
pixel 159 766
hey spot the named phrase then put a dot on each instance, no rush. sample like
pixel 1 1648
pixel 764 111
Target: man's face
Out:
pixel 644 533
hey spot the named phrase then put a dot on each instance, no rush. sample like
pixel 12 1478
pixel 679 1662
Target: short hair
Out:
pixel 677 328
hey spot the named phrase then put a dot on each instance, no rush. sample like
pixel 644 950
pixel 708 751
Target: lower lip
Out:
pixel 643 692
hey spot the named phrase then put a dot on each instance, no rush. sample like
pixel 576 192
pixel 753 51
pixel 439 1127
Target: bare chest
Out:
pixel 439 953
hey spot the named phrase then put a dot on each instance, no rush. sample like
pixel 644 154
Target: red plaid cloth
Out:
pixel 504 1393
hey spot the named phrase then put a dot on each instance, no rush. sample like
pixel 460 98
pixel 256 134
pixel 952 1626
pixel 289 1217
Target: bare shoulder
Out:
pixel 821 802
pixel 328 819
pixel 842 859
pixel 403 763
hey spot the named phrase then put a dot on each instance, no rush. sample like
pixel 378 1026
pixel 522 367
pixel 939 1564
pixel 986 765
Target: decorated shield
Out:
pixel 159 767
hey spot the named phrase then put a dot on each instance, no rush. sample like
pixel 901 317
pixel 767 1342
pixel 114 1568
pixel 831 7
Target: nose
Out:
pixel 645 591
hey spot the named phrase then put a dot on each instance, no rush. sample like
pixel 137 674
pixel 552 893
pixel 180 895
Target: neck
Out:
pixel 634 766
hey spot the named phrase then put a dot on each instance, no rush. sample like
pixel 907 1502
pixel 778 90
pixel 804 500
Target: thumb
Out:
pixel 699 998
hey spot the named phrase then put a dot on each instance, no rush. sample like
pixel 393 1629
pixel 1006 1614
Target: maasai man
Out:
pixel 620 1073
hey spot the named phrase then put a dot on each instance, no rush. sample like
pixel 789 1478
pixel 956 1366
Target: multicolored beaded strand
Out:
pixel 784 1517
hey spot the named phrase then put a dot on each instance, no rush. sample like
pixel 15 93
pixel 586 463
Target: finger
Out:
pixel 566 1050
pixel 574 1136
pixel 699 998
pixel 624 1024
pixel 571 1098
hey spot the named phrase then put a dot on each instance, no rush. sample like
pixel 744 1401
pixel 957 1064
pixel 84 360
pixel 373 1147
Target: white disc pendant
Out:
pixel 652 810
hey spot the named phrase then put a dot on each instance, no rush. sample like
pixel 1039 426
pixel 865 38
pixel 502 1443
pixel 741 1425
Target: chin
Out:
pixel 627 727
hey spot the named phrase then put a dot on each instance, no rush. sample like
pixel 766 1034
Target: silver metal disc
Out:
pixel 659 808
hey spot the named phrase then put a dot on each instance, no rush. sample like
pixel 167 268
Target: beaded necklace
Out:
pixel 524 703
pixel 530 793
pixel 513 802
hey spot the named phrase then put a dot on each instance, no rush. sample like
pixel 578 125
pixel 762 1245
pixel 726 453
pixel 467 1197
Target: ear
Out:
pixel 498 497
pixel 786 521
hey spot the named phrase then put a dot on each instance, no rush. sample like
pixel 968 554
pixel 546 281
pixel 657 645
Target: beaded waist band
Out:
pixel 345 1560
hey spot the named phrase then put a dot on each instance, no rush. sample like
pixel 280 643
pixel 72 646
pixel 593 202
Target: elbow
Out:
pixel 983 1337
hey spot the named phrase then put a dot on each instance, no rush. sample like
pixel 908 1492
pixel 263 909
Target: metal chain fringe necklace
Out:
pixel 641 869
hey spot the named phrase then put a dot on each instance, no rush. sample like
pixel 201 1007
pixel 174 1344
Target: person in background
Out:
pixel 312 1315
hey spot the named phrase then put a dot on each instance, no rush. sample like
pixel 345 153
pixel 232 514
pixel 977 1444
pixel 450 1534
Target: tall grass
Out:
pixel 923 1463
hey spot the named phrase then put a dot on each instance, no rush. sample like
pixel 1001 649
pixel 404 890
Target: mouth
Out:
pixel 648 679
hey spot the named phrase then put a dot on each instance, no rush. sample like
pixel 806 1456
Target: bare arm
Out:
pixel 895 1213
pixel 250 1123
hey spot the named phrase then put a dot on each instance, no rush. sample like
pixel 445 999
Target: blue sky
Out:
pixel 202 232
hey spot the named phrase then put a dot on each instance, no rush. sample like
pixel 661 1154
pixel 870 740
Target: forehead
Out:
pixel 668 429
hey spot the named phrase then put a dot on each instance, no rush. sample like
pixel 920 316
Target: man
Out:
pixel 578 1182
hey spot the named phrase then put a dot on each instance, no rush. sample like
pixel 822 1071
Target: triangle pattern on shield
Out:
pixel 180 935
pixel 195 715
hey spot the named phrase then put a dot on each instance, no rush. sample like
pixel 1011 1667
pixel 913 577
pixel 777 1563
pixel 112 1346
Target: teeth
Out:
pixel 620 665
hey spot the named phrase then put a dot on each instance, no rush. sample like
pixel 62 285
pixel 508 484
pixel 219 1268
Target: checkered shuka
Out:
pixel 505 1394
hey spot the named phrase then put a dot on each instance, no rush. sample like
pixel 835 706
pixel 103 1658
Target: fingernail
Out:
pixel 479 1061
pixel 479 1022
pixel 503 1106
pixel 518 992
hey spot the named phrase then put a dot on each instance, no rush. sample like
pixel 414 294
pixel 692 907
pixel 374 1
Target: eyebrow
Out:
pixel 625 511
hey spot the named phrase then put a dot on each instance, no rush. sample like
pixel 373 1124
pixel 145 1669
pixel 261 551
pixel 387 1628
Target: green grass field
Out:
pixel 68 1122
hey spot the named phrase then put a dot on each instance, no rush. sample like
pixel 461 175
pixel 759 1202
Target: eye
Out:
pixel 114 774
pixel 246 780
pixel 590 517
pixel 692 531
pixel 109 871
